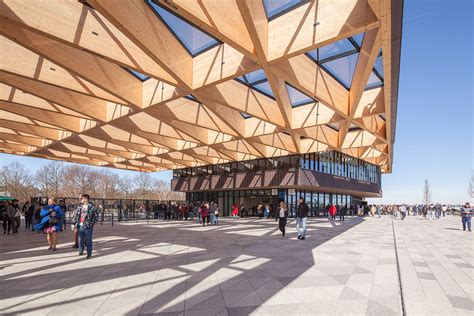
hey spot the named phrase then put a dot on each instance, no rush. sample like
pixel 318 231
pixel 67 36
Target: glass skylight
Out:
pixel 339 59
pixel 276 8
pixel 194 40
pixel 379 65
pixel 138 75
pixel 192 98
pixel 245 115
pixel 338 48
pixel 255 76
pixel 298 98
pixel 342 69
pixel 353 127
pixel 358 38
pixel 374 81
pixel 257 81
pixel 264 87
pixel 334 126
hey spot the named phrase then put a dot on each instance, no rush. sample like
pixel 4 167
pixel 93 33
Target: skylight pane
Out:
pixel 379 65
pixel 245 115
pixel 193 39
pixel 297 97
pixel 334 126
pixel 358 38
pixel 343 68
pixel 191 97
pixel 373 81
pixel 353 127
pixel 255 76
pixel 265 88
pixel 138 75
pixel 274 8
pixel 337 48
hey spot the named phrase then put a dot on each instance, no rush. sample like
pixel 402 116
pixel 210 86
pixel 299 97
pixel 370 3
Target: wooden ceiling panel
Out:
pixel 111 83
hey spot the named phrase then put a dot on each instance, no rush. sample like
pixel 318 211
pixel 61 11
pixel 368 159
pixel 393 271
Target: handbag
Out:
pixel 53 220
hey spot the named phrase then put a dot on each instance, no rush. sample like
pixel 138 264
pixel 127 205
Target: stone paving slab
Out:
pixel 243 267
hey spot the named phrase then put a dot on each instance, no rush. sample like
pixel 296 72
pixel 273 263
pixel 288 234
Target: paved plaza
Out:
pixel 243 267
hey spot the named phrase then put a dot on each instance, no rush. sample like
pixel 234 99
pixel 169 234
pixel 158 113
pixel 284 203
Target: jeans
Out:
pixel 466 221
pixel 299 222
pixel 85 235
pixel 282 224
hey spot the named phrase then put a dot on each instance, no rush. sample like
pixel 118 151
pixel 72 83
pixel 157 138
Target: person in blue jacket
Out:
pixel 50 224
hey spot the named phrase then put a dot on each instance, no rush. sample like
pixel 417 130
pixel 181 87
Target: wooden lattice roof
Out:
pixel 150 86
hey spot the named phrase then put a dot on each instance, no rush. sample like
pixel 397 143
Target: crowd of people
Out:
pixel 430 211
pixel 427 211
pixel 50 219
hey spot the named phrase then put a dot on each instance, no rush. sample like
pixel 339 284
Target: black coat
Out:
pixel 302 210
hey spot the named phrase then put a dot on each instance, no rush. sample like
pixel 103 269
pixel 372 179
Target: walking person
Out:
pixel 24 210
pixel 301 218
pixel 444 208
pixel 197 212
pixel 332 212
pixel 16 219
pixel 235 211
pixel 342 212
pixel 75 230
pixel 259 211
pixel 466 213
pixel 204 211
pixel 430 212
pixel 4 216
pixel 212 213
pixel 216 214
pixel 29 215
pixel 372 210
pixel 11 212
pixel 86 216
pixel 51 218
pixel 9 218
pixel 63 207
pixel 266 212
pixel 17 216
pixel 282 218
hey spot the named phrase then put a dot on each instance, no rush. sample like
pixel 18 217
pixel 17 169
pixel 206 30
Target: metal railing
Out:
pixel 116 210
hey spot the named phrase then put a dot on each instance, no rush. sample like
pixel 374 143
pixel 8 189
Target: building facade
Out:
pixel 320 178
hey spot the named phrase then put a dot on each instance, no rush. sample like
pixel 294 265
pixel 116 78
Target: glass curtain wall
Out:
pixel 332 162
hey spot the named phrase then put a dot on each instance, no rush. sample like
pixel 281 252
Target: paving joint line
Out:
pixel 402 301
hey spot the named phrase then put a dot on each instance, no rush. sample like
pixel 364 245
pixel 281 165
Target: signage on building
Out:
pixel 291 192
pixel 274 191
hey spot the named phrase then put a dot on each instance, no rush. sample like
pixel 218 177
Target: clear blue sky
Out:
pixel 434 138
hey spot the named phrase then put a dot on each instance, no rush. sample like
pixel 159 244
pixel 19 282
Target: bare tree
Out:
pixel 427 193
pixel 143 185
pixel 126 186
pixel 162 190
pixel 17 181
pixel 55 179
pixel 77 180
pixel 49 179
pixel 471 186
pixel 107 184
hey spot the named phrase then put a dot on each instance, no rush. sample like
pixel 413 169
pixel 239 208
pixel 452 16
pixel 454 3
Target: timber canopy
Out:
pixel 152 85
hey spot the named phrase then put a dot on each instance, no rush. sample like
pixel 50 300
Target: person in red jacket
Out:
pixel 205 213
pixel 332 212
pixel 235 211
